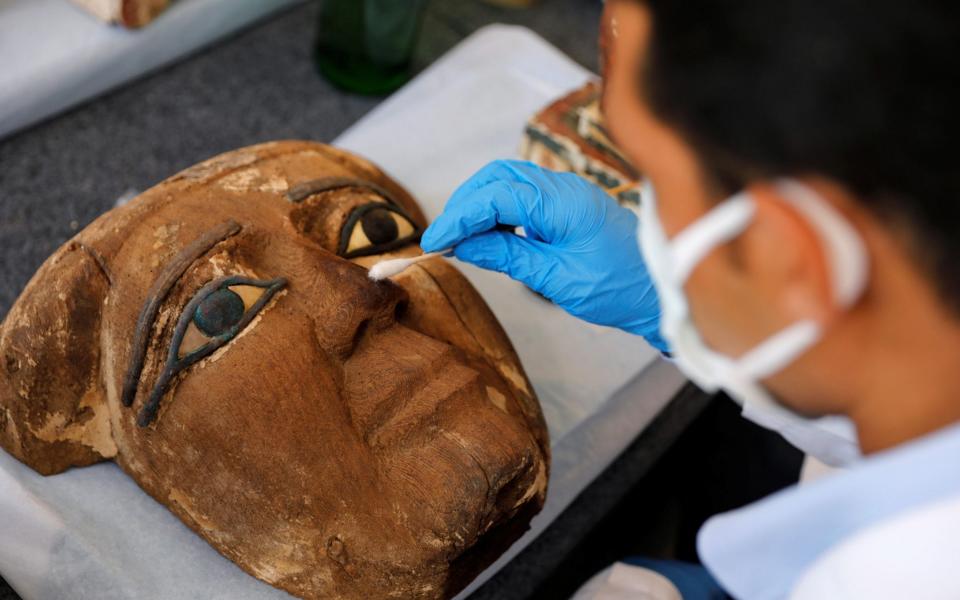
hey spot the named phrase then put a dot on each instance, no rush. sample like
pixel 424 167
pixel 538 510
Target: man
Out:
pixel 802 242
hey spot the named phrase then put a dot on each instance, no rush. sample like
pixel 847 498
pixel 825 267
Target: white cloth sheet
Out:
pixel 54 55
pixel 91 533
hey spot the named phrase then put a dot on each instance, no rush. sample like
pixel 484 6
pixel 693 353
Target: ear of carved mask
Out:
pixel 219 339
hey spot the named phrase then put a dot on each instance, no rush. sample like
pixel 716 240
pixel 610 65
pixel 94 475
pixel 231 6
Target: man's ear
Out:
pixel 53 409
pixel 788 258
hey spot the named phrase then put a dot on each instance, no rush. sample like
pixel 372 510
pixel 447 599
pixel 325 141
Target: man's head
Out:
pixel 855 99
pixel 219 339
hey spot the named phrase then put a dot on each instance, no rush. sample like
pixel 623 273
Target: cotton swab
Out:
pixel 389 268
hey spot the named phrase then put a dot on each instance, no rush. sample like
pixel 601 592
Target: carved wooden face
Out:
pixel 219 338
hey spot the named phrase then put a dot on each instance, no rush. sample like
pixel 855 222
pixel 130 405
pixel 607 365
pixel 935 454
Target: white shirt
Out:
pixel 883 519
pixel 910 556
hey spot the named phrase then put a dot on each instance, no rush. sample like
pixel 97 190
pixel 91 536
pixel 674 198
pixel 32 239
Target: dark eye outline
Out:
pixel 175 363
pixel 354 219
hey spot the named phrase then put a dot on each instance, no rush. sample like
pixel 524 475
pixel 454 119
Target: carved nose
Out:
pixel 362 306
pixel 382 302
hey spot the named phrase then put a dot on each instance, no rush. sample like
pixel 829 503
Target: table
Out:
pixel 54 55
pixel 81 162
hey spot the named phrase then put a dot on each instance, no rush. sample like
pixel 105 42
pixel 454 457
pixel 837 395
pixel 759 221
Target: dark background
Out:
pixel 697 458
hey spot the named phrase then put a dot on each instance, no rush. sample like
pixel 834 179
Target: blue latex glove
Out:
pixel 580 249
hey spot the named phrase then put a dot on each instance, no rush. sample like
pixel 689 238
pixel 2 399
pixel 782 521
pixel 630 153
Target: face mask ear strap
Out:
pixel 778 351
pixel 847 259
pixel 721 224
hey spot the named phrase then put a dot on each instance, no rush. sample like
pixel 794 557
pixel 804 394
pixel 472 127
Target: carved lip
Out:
pixel 490 545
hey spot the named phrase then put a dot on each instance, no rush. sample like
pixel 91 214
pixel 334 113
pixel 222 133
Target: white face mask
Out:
pixel 670 263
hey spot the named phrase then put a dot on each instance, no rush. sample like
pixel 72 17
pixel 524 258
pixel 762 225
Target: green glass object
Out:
pixel 366 46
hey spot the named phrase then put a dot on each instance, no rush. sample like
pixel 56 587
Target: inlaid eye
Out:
pixel 381 226
pixel 216 314
pixel 219 312
pixel 376 228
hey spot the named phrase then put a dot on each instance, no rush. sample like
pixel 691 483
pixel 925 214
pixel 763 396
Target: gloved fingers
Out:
pixel 566 208
pixel 517 171
pixel 527 261
pixel 524 171
pixel 561 202
pixel 494 172
pixel 550 206
pixel 477 209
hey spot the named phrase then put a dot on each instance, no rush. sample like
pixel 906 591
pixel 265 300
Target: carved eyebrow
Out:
pixel 302 191
pixel 158 293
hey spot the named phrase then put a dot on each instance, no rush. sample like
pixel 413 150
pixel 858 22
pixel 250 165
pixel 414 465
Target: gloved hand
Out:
pixel 580 249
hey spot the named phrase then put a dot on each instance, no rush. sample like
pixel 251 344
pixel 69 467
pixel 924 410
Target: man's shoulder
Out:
pixel 910 555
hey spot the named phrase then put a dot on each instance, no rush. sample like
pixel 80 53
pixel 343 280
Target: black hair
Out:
pixel 863 92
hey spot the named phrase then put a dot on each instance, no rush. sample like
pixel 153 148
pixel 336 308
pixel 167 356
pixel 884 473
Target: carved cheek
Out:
pixel 271 403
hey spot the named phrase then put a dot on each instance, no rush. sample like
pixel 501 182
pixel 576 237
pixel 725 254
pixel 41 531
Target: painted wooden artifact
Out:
pixel 219 339
pixel 570 135
pixel 128 13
